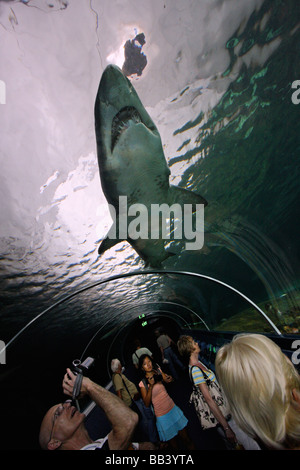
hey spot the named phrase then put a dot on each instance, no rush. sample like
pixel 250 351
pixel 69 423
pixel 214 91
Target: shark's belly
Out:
pixel 140 185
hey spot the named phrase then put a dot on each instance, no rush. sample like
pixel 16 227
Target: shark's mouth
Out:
pixel 121 122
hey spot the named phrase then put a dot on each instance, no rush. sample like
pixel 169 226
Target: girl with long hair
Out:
pixel 170 420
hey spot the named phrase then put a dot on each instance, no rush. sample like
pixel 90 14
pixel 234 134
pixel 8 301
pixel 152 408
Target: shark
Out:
pixel 132 165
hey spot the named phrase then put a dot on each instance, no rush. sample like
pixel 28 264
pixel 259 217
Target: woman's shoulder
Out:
pixel 195 367
pixel 142 383
pixel 200 366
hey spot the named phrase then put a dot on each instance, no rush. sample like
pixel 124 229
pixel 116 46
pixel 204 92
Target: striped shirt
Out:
pixel 198 376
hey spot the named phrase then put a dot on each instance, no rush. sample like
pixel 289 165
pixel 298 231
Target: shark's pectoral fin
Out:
pixel 170 254
pixel 157 262
pixel 106 244
pixel 110 240
pixel 184 196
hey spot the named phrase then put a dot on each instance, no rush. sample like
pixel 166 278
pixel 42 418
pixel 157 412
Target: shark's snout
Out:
pixel 117 107
pixel 113 85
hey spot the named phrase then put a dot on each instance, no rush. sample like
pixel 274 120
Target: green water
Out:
pixel 251 171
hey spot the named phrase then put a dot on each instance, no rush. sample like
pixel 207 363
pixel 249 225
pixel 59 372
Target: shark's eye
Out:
pixel 119 123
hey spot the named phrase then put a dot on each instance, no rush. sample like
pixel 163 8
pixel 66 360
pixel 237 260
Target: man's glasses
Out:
pixel 57 413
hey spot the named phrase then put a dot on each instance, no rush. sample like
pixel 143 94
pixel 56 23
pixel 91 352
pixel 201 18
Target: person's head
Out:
pixel 263 389
pixel 116 365
pixel 60 426
pixel 187 346
pixel 137 343
pixel 145 363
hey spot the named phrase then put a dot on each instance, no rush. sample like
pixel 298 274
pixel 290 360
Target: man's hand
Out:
pixel 69 383
pixel 123 420
pixel 167 378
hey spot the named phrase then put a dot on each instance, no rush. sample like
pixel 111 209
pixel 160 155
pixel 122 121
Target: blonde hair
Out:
pixel 185 345
pixel 258 380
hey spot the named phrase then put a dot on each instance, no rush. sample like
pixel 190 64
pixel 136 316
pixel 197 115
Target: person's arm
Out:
pixel 217 413
pixel 135 361
pixel 199 381
pixel 162 353
pixel 123 420
pixel 147 394
pixel 161 348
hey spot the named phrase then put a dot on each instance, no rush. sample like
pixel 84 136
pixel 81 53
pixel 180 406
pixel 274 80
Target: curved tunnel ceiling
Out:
pixel 99 312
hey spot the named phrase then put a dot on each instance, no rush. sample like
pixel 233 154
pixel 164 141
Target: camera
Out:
pixel 81 367
pixel 157 378
pixel 158 375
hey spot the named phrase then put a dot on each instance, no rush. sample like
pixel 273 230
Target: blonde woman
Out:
pixel 263 390
pixel 227 428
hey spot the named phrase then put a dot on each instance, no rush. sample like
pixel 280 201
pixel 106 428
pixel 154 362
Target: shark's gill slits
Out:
pixel 120 122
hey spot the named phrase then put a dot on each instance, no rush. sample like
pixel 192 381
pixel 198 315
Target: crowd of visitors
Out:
pixel 251 399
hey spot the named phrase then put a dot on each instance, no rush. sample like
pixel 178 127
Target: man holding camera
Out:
pixel 63 425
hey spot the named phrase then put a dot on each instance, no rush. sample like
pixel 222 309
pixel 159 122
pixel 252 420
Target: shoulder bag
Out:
pixel 205 415
pixel 134 398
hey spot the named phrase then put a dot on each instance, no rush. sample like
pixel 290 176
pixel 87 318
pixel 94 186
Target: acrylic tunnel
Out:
pixel 102 322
